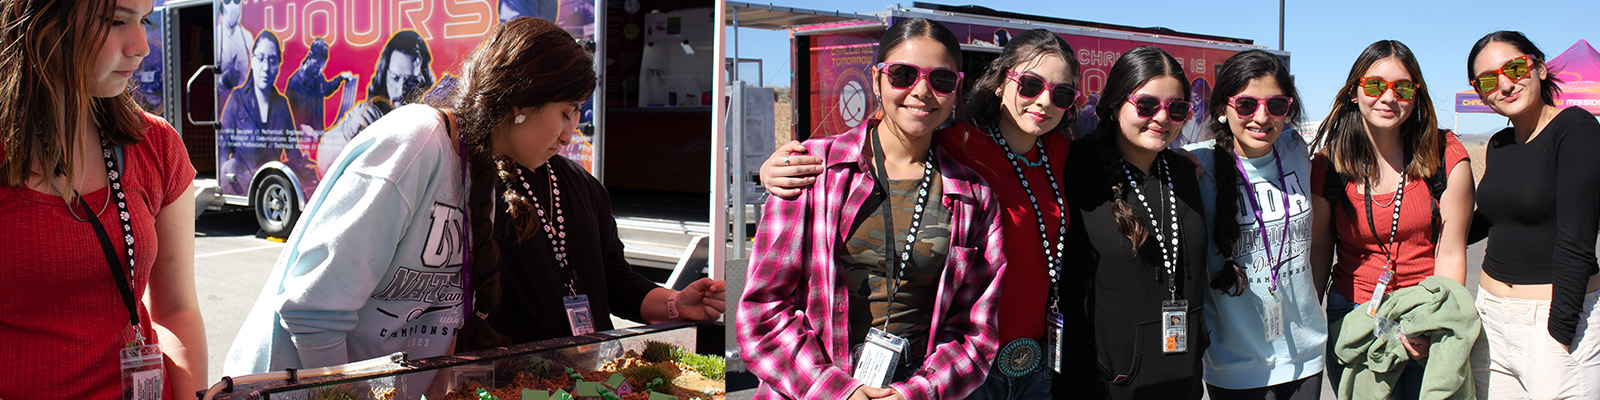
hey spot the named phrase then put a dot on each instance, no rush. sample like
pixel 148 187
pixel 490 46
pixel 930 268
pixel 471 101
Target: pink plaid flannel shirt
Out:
pixel 792 325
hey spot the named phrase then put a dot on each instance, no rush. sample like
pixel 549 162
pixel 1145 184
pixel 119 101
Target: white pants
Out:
pixel 1516 358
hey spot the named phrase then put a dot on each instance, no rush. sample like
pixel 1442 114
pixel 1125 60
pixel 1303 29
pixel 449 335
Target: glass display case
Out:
pixel 675 360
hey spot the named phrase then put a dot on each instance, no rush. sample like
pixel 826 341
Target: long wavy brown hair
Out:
pixel 1343 135
pixel 526 62
pixel 1132 70
pixel 47 54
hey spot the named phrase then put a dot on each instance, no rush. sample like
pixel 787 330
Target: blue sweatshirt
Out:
pixel 1240 356
pixel 374 266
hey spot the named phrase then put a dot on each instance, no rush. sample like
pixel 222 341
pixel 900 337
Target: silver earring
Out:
pixel 519 119
pixel 1222 119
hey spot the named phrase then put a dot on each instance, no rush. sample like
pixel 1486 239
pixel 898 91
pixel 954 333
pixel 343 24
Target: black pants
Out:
pixel 1309 388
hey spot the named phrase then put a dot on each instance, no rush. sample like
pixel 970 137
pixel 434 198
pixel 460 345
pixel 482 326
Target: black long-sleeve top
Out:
pixel 1541 202
pixel 1112 294
pixel 531 307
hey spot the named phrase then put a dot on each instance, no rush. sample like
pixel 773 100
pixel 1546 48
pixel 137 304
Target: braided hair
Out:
pixel 1236 74
pixel 527 62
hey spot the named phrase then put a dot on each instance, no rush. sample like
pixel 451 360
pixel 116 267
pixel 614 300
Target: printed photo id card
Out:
pixel 1174 326
pixel 578 316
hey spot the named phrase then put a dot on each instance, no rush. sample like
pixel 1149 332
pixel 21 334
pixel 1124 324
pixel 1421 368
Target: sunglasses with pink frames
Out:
pixel 904 76
pixel 1147 106
pixel 1246 106
pixel 1030 86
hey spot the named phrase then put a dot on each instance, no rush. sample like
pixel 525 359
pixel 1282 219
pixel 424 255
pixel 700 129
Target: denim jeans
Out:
pixel 1410 385
pixel 998 386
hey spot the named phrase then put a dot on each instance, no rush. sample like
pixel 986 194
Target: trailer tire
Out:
pixel 276 206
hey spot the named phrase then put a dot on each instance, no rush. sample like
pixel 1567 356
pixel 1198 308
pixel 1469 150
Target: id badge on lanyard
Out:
pixel 1054 326
pixel 879 357
pixel 1174 326
pixel 1378 291
pixel 142 374
pixel 578 316
pixel 1273 317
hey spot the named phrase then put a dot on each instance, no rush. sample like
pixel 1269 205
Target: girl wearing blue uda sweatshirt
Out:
pixel 398 236
pixel 1267 330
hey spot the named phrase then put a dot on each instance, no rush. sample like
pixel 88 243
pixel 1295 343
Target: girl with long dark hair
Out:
pixel 1540 205
pixel 1013 136
pixel 1137 243
pixel 1268 333
pixel 880 280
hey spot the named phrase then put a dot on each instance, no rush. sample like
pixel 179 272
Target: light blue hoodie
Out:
pixel 374 266
pixel 1240 356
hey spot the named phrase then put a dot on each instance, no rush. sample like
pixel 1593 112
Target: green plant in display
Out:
pixel 653 385
pixel 713 367
pixel 649 373
pixel 540 367
pixel 659 352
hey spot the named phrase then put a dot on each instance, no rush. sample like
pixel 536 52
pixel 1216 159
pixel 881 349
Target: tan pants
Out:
pixel 1516 358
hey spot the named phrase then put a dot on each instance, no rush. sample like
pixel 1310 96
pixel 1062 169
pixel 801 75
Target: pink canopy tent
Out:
pixel 1578 68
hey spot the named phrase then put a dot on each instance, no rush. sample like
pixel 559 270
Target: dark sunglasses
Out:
pixel 1246 106
pixel 1147 107
pixel 1516 69
pixel 1029 86
pixel 1404 90
pixel 905 76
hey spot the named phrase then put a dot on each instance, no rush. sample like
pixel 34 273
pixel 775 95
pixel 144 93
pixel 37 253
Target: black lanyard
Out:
pixel 888 219
pixel 114 189
pixel 1052 260
pixel 1394 223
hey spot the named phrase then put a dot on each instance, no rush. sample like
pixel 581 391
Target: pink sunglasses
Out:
pixel 904 76
pixel 1030 86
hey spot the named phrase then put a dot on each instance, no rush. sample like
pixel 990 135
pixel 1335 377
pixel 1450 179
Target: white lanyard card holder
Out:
pixel 141 371
pixel 879 358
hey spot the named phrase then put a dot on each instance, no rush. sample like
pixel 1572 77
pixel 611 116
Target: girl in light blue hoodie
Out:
pixel 1267 329
pixel 396 240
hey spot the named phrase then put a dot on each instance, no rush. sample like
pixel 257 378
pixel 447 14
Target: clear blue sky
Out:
pixel 1322 37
